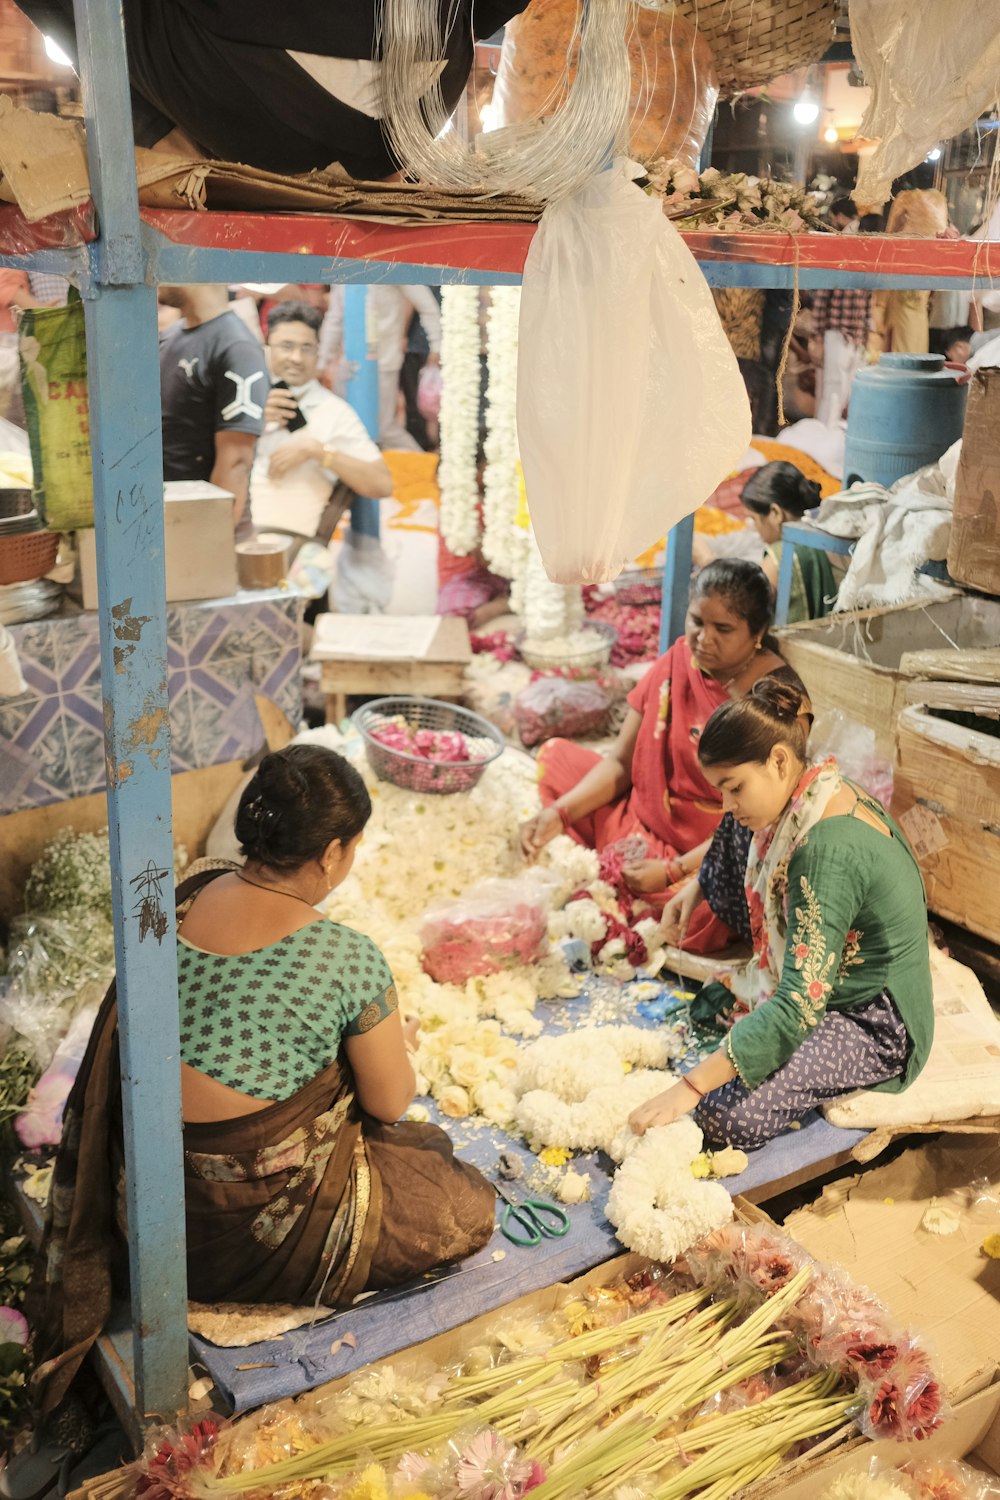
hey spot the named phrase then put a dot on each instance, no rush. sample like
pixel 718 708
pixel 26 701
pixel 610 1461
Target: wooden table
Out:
pixel 438 674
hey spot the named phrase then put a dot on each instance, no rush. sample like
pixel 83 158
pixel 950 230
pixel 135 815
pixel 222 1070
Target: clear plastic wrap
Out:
pixel 932 70
pixel 429 387
pixel 55 968
pixel 619 339
pixel 674 87
pixel 854 747
pixel 495 925
pixel 552 706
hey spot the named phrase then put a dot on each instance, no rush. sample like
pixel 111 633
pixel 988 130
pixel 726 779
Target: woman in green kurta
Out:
pixel 838 994
pixel 776 494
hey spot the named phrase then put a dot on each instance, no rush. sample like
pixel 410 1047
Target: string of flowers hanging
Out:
pixel 546 159
pixel 503 538
pixel 459 418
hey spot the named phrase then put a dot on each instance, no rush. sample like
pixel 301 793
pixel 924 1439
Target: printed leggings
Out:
pixel 849 1050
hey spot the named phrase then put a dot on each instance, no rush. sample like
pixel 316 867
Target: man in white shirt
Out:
pixel 394 307
pixel 295 470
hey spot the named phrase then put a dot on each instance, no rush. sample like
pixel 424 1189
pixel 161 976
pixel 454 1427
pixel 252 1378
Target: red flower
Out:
pixel 871 1355
pixel 816 990
pixel 802 950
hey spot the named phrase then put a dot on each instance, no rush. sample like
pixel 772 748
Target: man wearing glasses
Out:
pixel 312 439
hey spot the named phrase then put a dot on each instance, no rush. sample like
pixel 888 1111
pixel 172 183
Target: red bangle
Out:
pixel 693 1086
pixel 564 818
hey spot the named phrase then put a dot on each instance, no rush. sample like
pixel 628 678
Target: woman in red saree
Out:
pixel 650 787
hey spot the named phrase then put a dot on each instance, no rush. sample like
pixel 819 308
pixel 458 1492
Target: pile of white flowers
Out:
pixel 419 849
pixel 657 1207
pixel 578 1090
pixel 504 540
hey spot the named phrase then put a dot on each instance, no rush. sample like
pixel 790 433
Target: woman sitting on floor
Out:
pixel 299 1186
pixel 774 495
pixel 650 786
pixel 839 988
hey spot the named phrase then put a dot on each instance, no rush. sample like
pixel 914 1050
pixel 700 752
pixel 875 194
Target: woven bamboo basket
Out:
pixel 757 40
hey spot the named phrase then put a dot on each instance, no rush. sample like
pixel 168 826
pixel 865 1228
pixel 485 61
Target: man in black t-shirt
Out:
pixel 288 87
pixel 213 389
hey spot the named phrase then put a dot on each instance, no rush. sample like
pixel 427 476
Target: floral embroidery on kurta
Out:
pixel 812 960
pixel 851 958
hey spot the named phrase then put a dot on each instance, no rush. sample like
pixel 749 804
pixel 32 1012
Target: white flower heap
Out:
pixel 459 424
pixel 657 1206
pixel 578 1090
pixel 419 849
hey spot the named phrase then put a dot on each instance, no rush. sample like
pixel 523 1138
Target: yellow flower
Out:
pixel 991 1246
pixel 702 1165
pixel 554 1156
pixel 370 1486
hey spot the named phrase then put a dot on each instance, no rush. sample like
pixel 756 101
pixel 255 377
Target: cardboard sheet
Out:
pixel 371 637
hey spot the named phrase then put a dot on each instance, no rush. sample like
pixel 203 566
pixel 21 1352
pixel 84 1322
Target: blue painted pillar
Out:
pixel 361 350
pixel 676 581
pixel 124 388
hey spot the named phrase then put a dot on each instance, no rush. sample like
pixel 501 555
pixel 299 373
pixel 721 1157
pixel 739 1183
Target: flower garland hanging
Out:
pixel 459 422
pixel 657 1207
pixel 503 542
pixel 549 610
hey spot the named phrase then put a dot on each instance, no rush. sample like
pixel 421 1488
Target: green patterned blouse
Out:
pixel 267 1022
pixel 857 925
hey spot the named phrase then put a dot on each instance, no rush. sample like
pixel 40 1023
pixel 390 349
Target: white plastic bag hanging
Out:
pixel 932 69
pixel 630 404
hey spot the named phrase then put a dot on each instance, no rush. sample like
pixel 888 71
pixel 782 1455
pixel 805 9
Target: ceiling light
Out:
pixel 806 110
pixel 934 155
pixel 830 135
pixel 55 53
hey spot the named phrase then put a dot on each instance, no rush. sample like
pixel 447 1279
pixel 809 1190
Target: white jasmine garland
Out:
pixel 657 1207
pixel 502 537
pixel 459 421
pixel 578 1090
pixel 549 610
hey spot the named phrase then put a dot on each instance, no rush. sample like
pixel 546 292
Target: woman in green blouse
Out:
pixel 299 1185
pixel 838 994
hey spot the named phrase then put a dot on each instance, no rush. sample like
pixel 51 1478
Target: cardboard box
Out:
pixel 946 796
pixel 198 545
pixel 974 546
pixel 855 662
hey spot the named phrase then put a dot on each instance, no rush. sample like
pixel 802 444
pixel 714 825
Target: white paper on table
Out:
pixel 398 637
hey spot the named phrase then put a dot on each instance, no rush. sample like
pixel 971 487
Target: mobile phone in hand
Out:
pixel 297 420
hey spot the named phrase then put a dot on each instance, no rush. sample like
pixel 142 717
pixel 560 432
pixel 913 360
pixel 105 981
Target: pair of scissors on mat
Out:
pixel 536 1218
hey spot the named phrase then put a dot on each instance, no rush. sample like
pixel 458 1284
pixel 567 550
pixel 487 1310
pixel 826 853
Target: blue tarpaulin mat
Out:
pixel 390 1321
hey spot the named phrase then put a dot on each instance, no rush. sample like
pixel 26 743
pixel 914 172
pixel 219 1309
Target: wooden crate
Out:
pixel 947 797
pixel 854 662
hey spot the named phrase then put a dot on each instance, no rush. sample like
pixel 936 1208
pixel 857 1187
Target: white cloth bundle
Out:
pixel 630 404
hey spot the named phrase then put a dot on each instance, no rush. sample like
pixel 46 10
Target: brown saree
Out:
pixel 306 1200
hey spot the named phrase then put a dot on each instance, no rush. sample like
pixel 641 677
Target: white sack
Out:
pixel 932 69
pixel 630 404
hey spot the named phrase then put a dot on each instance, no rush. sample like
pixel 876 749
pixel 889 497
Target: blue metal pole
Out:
pixel 361 351
pixel 676 581
pixel 128 511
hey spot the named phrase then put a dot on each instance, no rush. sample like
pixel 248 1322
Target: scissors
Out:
pixel 537 1217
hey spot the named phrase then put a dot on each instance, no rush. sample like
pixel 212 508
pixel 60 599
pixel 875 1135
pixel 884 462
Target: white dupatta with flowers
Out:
pixel 766 882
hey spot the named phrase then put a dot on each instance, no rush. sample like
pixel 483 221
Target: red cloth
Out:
pixel 671 805
pixel 670 797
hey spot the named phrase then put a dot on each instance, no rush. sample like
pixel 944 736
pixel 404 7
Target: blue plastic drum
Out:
pixel 904 412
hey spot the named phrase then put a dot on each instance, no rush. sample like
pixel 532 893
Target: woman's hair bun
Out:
pixel 779 699
pixel 280 781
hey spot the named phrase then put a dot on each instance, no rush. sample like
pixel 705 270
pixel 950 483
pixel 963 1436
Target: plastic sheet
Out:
pixel 621 359
pixel 496 925
pixel 853 745
pixel 429 386
pixel 40 1122
pixel 552 706
pixel 932 70
pixel 674 86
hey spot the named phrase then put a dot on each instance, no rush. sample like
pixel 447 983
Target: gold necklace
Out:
pixel 741 669
pixel 275 890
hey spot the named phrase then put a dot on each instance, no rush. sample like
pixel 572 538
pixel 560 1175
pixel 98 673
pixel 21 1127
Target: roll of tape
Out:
pixel 263 562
